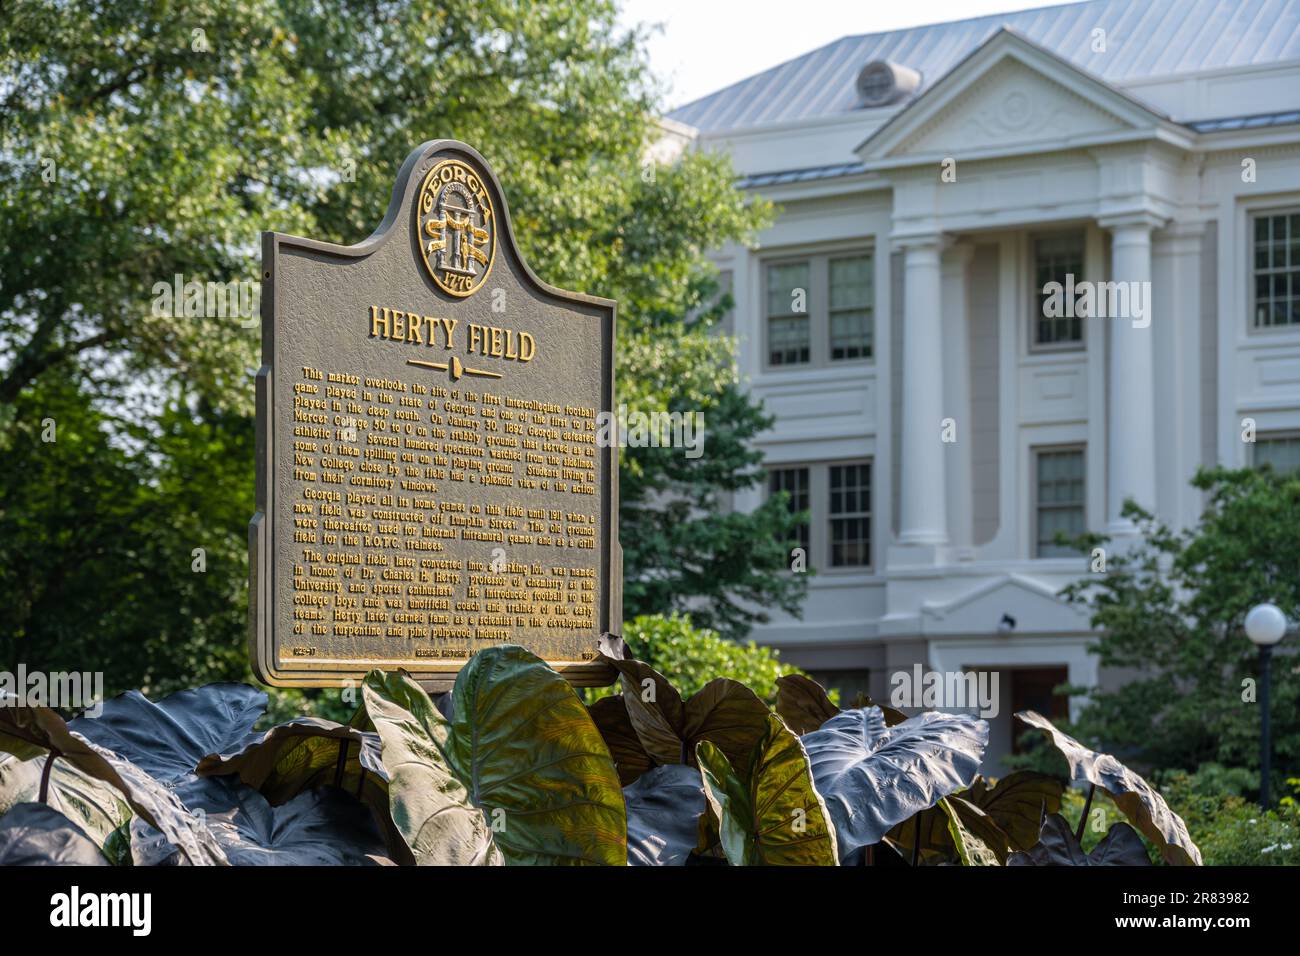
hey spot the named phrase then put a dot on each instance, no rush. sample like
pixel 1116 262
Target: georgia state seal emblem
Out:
pixel 456 227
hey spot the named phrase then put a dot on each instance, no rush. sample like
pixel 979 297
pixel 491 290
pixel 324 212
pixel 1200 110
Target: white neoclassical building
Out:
pixel 938 422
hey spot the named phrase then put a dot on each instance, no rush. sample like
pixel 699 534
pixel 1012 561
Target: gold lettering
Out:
pixel 375 321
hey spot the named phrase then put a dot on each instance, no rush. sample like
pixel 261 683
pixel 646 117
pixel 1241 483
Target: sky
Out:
pixel 705 45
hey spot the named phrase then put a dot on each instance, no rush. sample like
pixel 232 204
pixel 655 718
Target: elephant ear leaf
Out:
pixel 430 805
pixel 979 841
pixel 1136 798
pixel 95 807
pixel 1057 846
pixel 803 703
pixel 654 709
pixel 33 834
pixel 955 830
pixel 931 826
pixel 874 776
pixel 302 754
pixel 167 739
pixel 663 814
pixel 724 712
pixel 609 714
pixel 1121 846
pixel 322 827
pixel 769 812
pixel 149 799
pixel 1017 803
pixel 729 715
pixel 893 716
pixel 308 753
pixel 531 758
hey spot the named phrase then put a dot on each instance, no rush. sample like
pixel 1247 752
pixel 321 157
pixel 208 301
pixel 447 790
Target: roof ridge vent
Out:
pixel 882 82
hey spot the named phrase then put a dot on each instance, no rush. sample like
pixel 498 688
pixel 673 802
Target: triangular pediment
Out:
pixel 1033 605
pixel 1007 96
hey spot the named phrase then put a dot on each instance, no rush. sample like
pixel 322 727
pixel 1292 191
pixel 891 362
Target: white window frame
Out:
pixel 1278 435
pixel 819 516
pixel 818 304
pixel 1052 348
pixel 1253 214
pixel 1034 452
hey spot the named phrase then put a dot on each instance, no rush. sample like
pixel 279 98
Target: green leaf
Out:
pixel 769 812
pixel 724 712
pixel 524 746
pixel 151 800
pixel 1017 803
pixel 803 703
pixel 299 755
pixel 979 841
pixel 1136 798
pixel 430 806
pixel 609 714
pixel 521 753
pixel 95 807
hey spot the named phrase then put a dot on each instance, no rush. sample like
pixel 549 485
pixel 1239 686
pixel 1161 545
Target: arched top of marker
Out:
pixel 448 202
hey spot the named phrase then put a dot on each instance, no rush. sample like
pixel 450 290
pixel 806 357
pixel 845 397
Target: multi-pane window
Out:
pixel 789 335
pixel 850 307
pixel 1277 270
pixel 1280 451
pixel 794 482
pixel 1059 500
pixel 820 309
pixel 850 515
pixel 835 499
pixel 1056 257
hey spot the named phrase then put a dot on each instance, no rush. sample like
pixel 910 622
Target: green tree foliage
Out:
pixel 690 657
pixel 98 536
pixel 144 139
pixel 1173 608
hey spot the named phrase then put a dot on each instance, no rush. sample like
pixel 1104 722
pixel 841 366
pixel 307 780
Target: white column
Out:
pixel 923 513
pixel 955 296
pixel 1131 415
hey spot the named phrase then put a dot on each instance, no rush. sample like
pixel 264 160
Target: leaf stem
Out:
pixel 1083 817
pixel 342 762
pixel 45 775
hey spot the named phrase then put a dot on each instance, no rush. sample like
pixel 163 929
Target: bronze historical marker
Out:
pixel 429 481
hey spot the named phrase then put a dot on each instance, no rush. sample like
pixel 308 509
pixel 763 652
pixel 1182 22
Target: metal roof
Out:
pixel 1145 38
pixel 1256 121
pixel 799 175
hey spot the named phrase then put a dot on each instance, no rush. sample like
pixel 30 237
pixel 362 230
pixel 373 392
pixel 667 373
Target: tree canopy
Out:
pixel 148 139
pixel 1172 608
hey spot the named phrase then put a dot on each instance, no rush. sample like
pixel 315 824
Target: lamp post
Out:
pixel 1265 626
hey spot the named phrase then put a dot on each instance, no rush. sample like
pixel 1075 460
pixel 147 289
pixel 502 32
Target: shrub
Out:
pixel 690 657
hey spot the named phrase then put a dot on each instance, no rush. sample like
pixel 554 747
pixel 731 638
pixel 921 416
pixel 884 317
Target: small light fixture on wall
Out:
pixel 1007 624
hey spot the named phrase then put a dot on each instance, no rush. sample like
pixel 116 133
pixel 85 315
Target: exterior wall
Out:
pixel 1154 201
